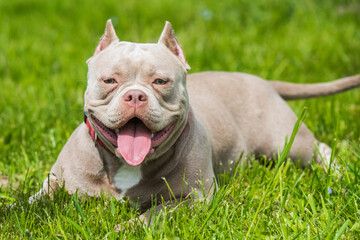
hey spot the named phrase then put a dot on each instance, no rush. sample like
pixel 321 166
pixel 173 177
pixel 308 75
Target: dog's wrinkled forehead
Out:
pixel 126 58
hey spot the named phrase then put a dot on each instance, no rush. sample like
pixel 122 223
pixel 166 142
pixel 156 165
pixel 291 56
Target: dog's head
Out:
pixel 136 98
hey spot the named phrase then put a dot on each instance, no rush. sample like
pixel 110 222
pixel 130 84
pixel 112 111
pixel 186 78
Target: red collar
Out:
pixel 98 140
pixel 93 133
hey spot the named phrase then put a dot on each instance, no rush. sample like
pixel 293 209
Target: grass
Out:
pixel 43 49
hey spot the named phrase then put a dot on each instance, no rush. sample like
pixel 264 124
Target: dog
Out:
pixel 149 126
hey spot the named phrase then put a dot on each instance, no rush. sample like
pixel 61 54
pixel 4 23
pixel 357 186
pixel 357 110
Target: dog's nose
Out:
pixel 135 98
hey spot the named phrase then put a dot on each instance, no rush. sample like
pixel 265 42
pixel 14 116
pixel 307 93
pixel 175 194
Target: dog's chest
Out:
pixel 126 177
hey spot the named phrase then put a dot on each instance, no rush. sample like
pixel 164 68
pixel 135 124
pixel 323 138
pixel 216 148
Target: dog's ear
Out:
pixel 108 37
pixel 169 40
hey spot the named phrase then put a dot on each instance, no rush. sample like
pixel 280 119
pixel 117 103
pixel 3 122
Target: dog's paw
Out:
pixel 324 157
pixel 49 186
pixel 129 225
pixel 325 152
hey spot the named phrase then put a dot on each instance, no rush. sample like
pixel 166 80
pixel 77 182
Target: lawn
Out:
pixel 43 49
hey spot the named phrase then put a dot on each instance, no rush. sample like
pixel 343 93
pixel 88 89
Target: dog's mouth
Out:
pixel 133 141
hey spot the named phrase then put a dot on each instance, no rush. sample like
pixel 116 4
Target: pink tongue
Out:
pixel 134 142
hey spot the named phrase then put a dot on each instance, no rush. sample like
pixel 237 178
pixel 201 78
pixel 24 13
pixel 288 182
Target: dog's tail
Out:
pixel 292 91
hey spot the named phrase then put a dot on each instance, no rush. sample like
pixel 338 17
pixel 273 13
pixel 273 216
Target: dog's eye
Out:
pixel 159 81
pixel 110 81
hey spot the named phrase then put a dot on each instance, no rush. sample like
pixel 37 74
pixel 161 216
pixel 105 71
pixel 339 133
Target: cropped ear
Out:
pixel 169 40
pixel 106 39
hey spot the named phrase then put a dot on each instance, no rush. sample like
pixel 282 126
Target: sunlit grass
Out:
pixel 43 49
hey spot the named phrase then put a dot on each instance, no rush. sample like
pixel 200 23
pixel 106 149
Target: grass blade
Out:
pixel 112 207
pixel 342 229
pixel 283 156
pixel 81 215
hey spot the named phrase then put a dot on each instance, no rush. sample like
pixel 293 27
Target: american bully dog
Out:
pixel 149 126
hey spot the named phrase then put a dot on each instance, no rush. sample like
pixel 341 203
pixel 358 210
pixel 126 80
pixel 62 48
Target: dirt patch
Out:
pixel 350 8
pixel 3 181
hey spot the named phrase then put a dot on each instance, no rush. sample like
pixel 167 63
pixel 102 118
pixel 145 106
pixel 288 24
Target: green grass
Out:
pixel 43 49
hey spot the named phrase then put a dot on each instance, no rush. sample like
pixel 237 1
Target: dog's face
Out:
pixel 136 98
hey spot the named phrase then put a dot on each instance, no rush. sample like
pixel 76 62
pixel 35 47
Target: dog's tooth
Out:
pixel 117 131
pixel 152 135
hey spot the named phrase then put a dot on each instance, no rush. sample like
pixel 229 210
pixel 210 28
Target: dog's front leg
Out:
pixel 50 184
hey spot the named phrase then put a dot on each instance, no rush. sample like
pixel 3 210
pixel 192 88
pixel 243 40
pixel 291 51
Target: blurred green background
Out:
pixel 44 45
